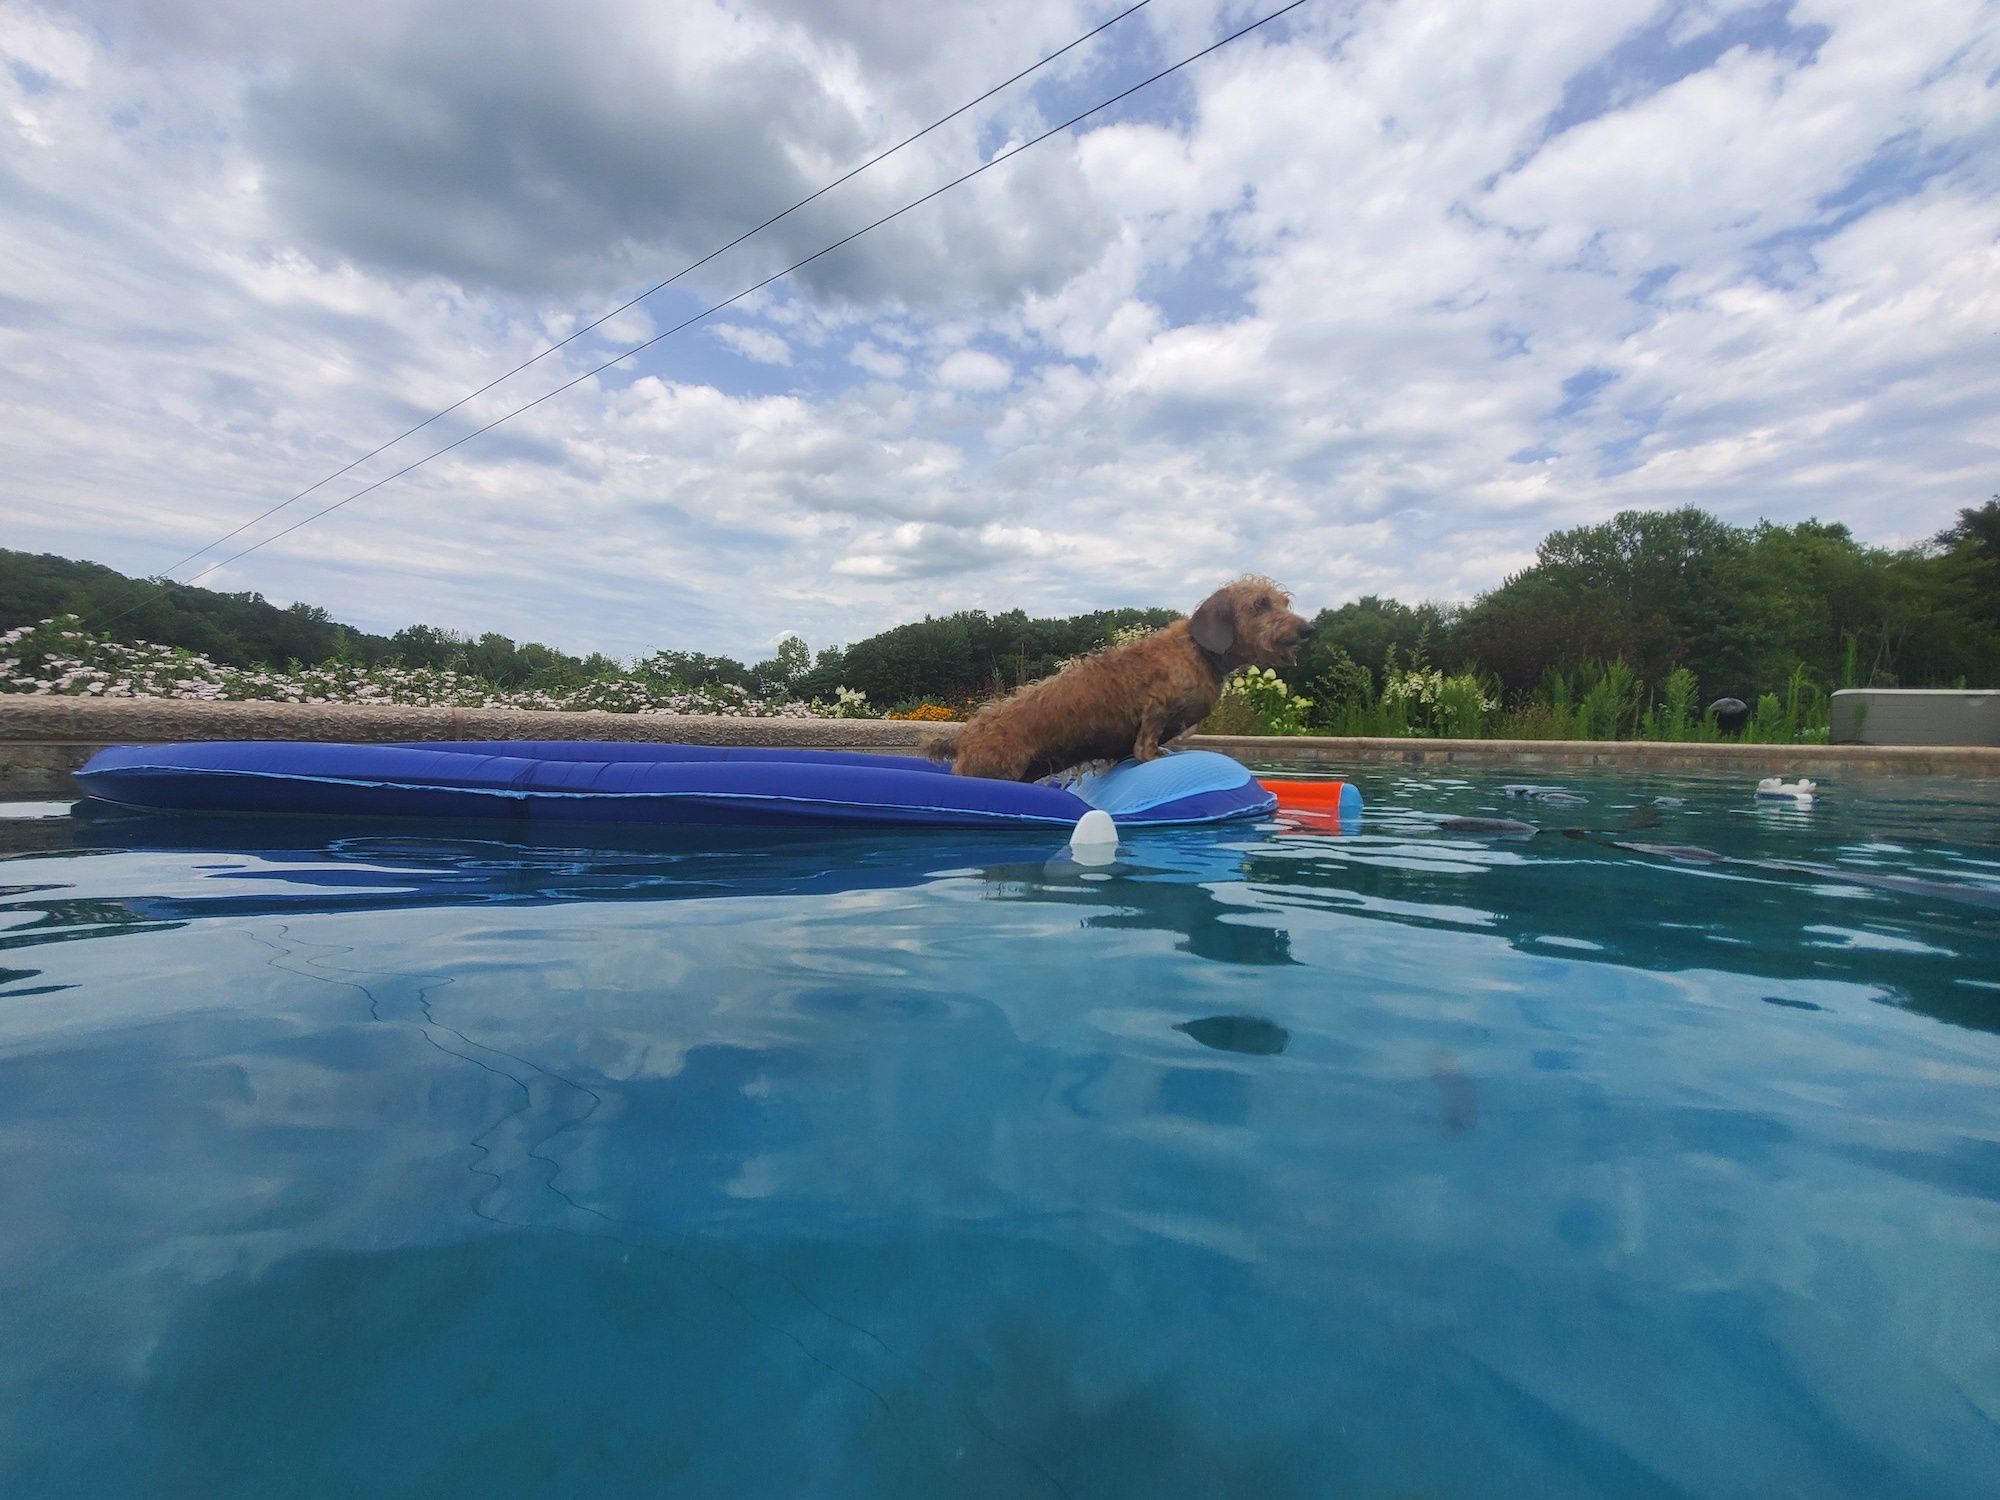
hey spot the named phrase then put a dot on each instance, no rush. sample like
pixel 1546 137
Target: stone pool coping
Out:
pixel 43 739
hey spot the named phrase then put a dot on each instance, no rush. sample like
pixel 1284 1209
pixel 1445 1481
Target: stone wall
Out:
pixel 43 739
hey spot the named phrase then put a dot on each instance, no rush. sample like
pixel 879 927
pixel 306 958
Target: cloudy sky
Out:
pixel 1369 300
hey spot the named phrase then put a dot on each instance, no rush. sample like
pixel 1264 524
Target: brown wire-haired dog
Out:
pixel 1129 700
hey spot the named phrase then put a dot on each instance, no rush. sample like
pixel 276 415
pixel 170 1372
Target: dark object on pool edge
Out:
pixel 1252 1034
pixel 1731 714
pixel 618 782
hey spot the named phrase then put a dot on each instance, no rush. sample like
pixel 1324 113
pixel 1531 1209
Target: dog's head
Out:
pixel 1249 623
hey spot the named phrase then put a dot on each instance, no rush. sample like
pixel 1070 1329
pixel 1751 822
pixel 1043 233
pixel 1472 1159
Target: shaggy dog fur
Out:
pixel 1129 700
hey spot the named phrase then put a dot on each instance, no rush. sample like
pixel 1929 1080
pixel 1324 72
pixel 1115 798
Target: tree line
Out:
pixel 1743 609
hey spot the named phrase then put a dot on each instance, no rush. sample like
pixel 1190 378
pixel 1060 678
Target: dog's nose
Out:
pixel 1307 630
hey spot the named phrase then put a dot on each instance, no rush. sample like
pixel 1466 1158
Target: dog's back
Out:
pixel 1094 710
pixel 1127 700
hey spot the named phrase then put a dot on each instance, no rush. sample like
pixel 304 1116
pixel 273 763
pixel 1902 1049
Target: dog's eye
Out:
pixel 1261 605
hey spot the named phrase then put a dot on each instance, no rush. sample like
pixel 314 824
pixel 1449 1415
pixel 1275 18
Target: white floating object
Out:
pixel 1777 789
pixel 1095 839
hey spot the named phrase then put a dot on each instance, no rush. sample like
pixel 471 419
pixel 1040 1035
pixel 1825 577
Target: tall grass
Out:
pixel 1799 713
pixel 1595 700
pixel 1675 716
pixel 1609 706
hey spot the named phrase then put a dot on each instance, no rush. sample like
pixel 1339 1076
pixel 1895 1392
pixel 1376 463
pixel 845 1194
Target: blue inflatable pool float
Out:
pixel 597 781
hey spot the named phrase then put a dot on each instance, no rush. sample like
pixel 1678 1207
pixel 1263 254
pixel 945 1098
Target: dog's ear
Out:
pixel 1214 624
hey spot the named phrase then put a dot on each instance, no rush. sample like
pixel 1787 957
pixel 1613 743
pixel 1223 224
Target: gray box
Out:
pixel 1915 716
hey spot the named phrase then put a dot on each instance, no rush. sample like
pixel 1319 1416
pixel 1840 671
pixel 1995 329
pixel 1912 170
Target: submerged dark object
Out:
pixel 1458 1100
pixel 1731 714
pixel 1909 885
pixel 1504 827
pixel 1690 854
pixel 1554 795
pixel 1252 1034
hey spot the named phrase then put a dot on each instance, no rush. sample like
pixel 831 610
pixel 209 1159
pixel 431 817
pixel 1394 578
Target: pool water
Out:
pixel 1654 1151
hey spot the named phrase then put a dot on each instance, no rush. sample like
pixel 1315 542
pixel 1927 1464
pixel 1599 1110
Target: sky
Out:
pixel 1369 300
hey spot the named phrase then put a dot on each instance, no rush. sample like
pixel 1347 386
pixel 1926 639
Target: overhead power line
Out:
pixel 661 286
pixel 1004 156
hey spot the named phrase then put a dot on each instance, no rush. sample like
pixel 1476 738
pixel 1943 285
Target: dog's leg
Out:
pixel 1152 724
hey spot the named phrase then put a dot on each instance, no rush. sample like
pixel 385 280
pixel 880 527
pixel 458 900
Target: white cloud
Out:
pixel 57 55
pixel 1321 314
pixel 759 344
pixel 869 356
pixel 974 370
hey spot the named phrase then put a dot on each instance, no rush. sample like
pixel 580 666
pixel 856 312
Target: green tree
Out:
pixel 240 629
pixel 427 646
pixel 692 669
pixel 785 673
pixel 1368 632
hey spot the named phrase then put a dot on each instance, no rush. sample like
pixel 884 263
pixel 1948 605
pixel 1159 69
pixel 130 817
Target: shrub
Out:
pixel 1608 708
pixel 847 704
pixel 1451 706
pixel 1537 721
pixel 1342 691
pixel 1676 718
pixel 1595 700
pixel 58 657
pixel 1799 714
pixel 1257 701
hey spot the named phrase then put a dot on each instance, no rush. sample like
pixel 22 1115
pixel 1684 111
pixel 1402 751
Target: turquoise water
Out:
pixel 1656 1153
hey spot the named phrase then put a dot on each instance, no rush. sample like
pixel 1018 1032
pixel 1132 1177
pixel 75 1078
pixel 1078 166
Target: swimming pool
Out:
pixel 1657 1153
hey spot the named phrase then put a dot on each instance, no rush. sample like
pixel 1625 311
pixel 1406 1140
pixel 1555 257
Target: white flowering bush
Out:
pixel 58 658
pixel 849 704
pixel 1256 700
pixel 1281 710
pixel 1433 702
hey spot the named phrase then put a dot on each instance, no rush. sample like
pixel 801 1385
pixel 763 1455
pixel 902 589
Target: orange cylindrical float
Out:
pixel 1338 801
